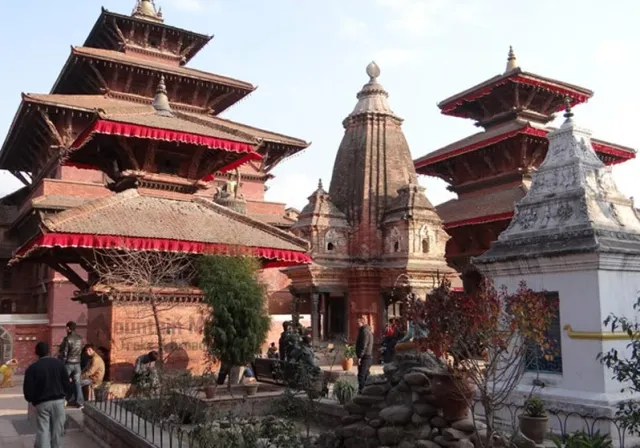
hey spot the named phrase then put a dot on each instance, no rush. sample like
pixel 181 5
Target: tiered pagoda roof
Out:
pixel 125 105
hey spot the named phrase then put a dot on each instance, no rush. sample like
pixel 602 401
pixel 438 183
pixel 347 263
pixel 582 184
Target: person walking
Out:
pixel 71 355
pixel 46 384
pixel 364 351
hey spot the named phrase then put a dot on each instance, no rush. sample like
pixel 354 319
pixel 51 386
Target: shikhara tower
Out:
pixel 373 226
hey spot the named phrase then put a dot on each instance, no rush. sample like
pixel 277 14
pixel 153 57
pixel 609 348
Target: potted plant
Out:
pixel 250 387
pixel 210 385
pixel 347 360
pixel 344 391
pixel 534 420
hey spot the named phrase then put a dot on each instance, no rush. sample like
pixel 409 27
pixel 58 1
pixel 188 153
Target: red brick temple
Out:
pixel 128 152
pixel 490 171
pixel 374 235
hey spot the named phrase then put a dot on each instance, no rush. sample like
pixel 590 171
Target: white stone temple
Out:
pixel 576 235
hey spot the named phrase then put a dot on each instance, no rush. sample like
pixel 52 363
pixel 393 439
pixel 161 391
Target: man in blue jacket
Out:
pixel 46 384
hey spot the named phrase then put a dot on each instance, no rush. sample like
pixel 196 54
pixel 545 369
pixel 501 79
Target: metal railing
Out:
pixel 563 423
pixel 156 432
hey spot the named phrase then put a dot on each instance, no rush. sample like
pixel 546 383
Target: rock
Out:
pixel 440 440
pixel 390 435
pixel 375 379
pixel 425 432
pixel 390 369
pixel 407 444
pixel 465 425
pixel 416 379
pixel 403 387
pixel 372 414
pixel 349 419
pixel 353 408
pixel 376 390
pixel 425 410
pixel 452 434
pixel 394 397
pixel 426 444
pixel 522 441
pixel 431 399
pixel 464 443
pixel 398 414
pixel 421 390
pixel 375 423
pixel 438 422
pixel 367 400
pixel 419 420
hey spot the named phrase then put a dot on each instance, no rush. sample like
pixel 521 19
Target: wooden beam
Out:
pixel 212 105
pixel 52 128
pixel 188 48
pixel 118 31
pixel 101 79
pixel 195 163
pixel 517 94
pixel 127 85
pixel 196 92
pixel 530 97
pixel 129 152
pixel 20 176
pixel 150 156
pixel 547 103
pixel 145 41
pixel 163 39
pixel 68 272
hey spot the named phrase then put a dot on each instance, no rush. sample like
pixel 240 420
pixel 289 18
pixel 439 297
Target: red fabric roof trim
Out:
pixel 138 131
pixel 479 220
pixel 527 130
pixel 275 257
pixel 519 79
pixel 619 153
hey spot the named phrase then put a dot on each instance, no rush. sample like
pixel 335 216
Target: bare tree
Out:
pixel 145 277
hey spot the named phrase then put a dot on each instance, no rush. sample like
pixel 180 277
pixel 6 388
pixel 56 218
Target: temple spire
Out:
pixel 568 113
pixel 320 184
pixel 512 62
pixel 146 9
pixel 161 100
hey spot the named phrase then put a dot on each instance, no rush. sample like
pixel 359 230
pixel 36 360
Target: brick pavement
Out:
pixel 17 432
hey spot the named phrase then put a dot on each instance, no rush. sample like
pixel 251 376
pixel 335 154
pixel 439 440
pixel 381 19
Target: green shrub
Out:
pixel 344 391
pixel 534 407
pixel 582 439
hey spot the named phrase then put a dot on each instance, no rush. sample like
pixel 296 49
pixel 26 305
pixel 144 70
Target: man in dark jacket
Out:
pixel 46 384
pixel 284 345
pixel 364 350
pixel 71 355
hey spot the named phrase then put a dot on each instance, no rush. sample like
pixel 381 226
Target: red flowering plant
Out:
pixel 484 336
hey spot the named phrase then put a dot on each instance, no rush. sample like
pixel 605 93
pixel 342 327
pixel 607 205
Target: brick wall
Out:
pixel 62 309
pixel 24 339
pixel 128 331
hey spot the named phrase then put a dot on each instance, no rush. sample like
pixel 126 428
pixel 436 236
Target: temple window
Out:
pixel 6 306
pixel 425 246
pixel 396 246
pixel 536 361
pixel 330 246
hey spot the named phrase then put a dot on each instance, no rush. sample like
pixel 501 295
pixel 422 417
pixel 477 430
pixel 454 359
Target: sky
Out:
pixel 308 59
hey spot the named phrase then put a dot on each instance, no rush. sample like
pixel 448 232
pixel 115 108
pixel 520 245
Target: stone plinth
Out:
pixel 127 330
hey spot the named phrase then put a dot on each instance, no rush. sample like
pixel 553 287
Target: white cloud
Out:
pixel 194 5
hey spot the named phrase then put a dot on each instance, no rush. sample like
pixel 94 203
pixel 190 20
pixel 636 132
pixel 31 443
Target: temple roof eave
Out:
pixel 579 94
pixel 104 14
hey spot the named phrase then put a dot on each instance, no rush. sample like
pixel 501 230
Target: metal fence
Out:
pixel 159 433
pixel 563 423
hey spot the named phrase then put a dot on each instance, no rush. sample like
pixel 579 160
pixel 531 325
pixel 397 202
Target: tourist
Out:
pixel 145 374
pixel 93 374
pixel 284 343
pixel 272 351
pixel 389 341
pixel 46 384
pixel 71 354
pixel 364 350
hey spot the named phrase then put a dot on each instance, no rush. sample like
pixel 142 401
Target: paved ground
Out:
pixel 17 432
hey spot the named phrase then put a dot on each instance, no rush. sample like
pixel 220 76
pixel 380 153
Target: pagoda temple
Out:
pixel 374 235
pixel 490 171
pixel 127 153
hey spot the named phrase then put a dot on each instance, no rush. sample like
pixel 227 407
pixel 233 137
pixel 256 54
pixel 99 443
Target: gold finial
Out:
pixel 320 187
pixel 512 62
pixel 147 9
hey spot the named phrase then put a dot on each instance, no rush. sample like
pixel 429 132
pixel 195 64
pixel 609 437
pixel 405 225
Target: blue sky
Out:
pixel 308 59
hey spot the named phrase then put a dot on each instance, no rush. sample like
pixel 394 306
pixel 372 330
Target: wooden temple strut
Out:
pixel 68 272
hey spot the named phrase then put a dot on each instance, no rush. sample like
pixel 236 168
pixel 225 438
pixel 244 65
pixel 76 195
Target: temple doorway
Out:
pixel 6 346
pixel 335 325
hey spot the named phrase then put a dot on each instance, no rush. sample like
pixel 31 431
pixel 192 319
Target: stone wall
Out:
pixel 399 409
